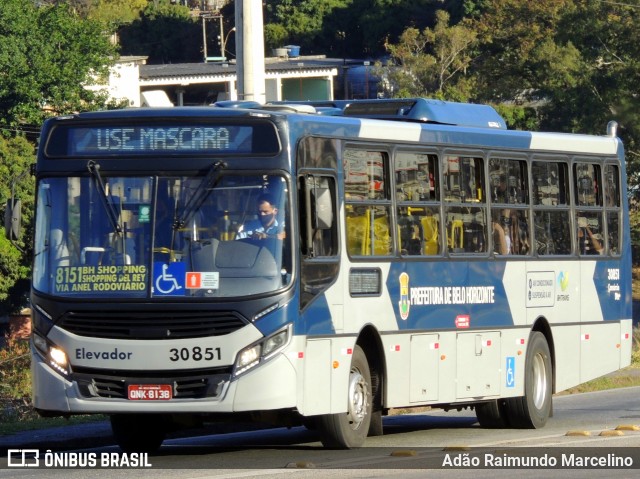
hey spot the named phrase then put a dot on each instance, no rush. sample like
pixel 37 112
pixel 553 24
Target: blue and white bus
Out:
pixel 411 253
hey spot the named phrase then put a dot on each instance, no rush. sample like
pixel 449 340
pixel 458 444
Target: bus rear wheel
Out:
pixel 349 430
pixel 138 432
pixel 532 410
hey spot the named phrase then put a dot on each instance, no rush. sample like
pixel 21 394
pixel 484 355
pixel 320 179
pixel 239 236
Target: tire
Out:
pixel 139 432
pixel 491 415
pixel 532 410
pixel 349 430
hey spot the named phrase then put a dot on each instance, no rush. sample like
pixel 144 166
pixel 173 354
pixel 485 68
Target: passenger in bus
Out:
pixel 499 184
pixel 267 224
pixel 588 242
pixel 519 232
pixel 502 232
pixel 411 237
pixel 501 240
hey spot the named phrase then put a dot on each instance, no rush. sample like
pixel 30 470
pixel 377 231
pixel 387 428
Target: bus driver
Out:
pixel 266 225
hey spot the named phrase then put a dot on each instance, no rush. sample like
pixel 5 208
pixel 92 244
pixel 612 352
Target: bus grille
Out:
pixel 151 325
pixel 188 385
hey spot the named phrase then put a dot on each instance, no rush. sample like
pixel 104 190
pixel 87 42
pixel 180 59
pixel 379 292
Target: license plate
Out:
pixel 150 392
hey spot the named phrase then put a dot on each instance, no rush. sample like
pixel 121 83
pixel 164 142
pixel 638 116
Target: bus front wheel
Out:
pixel 138 432
pixel 350 429
pixel 532 410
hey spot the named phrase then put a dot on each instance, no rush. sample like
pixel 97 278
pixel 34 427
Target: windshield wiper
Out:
pixel 94 169
pixel 199 195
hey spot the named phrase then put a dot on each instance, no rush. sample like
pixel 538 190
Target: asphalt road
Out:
pixel 583 425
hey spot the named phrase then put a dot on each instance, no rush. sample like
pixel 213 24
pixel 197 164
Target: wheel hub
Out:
pixel 358 399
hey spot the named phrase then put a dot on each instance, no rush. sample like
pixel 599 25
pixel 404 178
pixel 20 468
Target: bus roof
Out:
pixel 415 120
pixel 426 110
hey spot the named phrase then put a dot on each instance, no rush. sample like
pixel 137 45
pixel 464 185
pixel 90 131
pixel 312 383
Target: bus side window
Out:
pixel 410 234
pixel 519 227
pixel 551 218
pixel 368 202
pixel 418 230
pixel 318 220
pixel 552 232
pixel 612 204
pixel 611 186
pixel 466 230
pixel 590 240
pixel 588 197
pixel 379 234
pixel 465 194
pixel 417 191
pixel 613 231
pixel 508 181
pixel 510 231
pixel 357 226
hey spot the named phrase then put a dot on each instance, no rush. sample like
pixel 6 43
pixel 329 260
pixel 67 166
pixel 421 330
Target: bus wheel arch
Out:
pixel 370 342
pixel 364 399
pixel 349 429
pixel 541 325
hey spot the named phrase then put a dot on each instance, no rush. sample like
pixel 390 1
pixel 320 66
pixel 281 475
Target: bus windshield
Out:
pixel 216 235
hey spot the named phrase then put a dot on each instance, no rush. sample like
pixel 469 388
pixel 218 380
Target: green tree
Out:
pixel 433 62
pixel 16 154
pixel 574 61
pixel 165 32
pixel 116 12
pixel 519 50
pixel 299 22
pixel 47 54
pixel 606 35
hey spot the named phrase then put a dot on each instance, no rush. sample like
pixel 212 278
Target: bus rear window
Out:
pixel 153 139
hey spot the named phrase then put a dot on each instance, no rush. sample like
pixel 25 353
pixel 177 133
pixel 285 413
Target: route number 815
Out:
pixel 195 353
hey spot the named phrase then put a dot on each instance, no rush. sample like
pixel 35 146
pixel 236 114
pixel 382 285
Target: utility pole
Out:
pixel 250 50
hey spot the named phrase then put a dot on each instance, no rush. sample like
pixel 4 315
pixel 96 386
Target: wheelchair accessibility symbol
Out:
pixel 168 279
pixel 511 372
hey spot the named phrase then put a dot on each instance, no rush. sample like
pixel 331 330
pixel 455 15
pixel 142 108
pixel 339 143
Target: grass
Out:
pixel 16 411
pixel 35 422
pixel 607 382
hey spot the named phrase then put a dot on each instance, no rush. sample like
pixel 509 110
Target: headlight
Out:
pixel 261 351
pixel 275 342
pixel 248 358
pixel 55 356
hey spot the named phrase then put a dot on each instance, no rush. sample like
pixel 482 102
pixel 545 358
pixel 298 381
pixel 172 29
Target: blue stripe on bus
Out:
pixel 316 319
pixel 609 278
pixel 444 295
pixel 271 322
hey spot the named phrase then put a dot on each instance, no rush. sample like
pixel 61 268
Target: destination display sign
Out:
pixel 139 139
pixel 100 279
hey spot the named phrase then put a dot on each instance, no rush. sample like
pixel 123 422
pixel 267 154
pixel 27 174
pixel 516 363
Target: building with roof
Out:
pixel 188 84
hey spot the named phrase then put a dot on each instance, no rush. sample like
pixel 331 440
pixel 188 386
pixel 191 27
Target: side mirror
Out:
pixel 13 219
